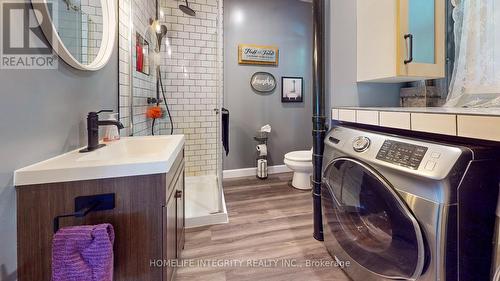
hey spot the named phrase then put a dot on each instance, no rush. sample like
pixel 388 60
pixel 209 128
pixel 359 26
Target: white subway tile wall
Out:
pixel 144 86
pixel 80 27
pixel 92 26
pixel 192 71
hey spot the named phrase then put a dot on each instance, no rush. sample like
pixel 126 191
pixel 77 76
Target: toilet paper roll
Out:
pixel 262 149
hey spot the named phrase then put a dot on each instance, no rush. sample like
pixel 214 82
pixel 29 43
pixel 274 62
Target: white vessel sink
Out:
pixel 126 157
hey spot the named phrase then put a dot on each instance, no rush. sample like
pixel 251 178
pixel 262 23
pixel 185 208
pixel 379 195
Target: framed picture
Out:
pixel 292 89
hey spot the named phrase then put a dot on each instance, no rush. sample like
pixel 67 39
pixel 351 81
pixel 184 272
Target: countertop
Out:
pixel 433 110
pixel 132 156
pixel 472 123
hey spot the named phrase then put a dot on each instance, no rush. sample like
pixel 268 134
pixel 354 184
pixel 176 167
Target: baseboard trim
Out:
pixel 238 173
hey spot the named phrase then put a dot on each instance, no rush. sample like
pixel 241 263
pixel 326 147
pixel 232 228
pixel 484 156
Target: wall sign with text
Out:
pixel 263 82
pixel 254 54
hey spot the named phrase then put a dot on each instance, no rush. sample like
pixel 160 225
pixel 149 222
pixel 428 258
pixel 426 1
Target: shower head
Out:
pixel 187 10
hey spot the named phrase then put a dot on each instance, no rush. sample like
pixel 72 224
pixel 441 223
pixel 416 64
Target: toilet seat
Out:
pixel 299 156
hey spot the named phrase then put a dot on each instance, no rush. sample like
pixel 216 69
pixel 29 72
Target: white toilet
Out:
pixel 300 162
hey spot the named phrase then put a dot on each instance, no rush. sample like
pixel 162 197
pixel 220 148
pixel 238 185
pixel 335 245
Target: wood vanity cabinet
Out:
pixel 181 213
pixel 173 224
pixel 148 220
pixel 400 40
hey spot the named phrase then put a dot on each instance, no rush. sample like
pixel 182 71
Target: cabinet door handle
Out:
pixel 410 48
pixel 178 194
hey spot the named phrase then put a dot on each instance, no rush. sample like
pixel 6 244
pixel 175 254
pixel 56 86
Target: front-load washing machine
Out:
pixel 406 208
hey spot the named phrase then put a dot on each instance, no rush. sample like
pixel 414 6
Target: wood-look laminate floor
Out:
pixel 270 224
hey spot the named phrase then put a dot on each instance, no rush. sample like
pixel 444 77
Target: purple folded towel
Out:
pixel 83 253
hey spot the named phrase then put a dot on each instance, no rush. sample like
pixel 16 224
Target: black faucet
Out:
pixel 93 124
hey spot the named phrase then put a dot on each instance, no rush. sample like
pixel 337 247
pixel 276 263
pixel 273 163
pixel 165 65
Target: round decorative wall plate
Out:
pixel 263 82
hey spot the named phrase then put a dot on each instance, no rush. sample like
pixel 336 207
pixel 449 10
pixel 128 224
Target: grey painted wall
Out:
pixel 342 69
pixel 42 114
pixel 288 25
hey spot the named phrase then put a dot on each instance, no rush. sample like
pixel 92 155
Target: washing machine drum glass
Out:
pixel 370 222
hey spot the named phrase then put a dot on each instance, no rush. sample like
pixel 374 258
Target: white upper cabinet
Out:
pixel 400 40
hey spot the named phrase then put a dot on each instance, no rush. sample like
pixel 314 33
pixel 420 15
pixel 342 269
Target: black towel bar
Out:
pixel 225 129
pixel 87 204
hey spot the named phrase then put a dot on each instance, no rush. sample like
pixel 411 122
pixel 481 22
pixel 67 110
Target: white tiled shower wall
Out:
pixel 192 71
pixel 144 86
pixel 80 27
pixel 91 29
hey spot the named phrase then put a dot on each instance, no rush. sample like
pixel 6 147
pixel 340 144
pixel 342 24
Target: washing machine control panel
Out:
pixel 402 154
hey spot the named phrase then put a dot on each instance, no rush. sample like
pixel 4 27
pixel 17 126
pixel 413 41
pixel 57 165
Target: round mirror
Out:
pixel 82 32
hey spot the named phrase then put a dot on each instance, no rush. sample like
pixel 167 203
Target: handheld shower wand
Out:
pixel 161 31
pixel 160 34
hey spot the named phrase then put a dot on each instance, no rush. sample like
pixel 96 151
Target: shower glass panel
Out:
pixel 190 72
pixel 421 17
pixel 190 61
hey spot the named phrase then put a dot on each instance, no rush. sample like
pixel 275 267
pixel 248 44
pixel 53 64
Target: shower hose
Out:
pixel 166 106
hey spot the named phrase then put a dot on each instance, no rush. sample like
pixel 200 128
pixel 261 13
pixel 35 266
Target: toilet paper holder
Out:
pixel 261 137
pixel 262 151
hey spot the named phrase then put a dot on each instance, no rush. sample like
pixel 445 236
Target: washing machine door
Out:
pixel 370 222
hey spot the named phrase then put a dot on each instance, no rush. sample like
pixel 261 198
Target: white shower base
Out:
pixel 202 202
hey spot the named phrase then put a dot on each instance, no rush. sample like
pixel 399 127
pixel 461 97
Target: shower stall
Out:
pixel 191 75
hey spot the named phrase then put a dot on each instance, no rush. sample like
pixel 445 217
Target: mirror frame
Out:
pixel 108 35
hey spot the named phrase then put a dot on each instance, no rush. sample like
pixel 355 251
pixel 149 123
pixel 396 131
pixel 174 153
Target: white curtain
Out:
pixel 476 76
